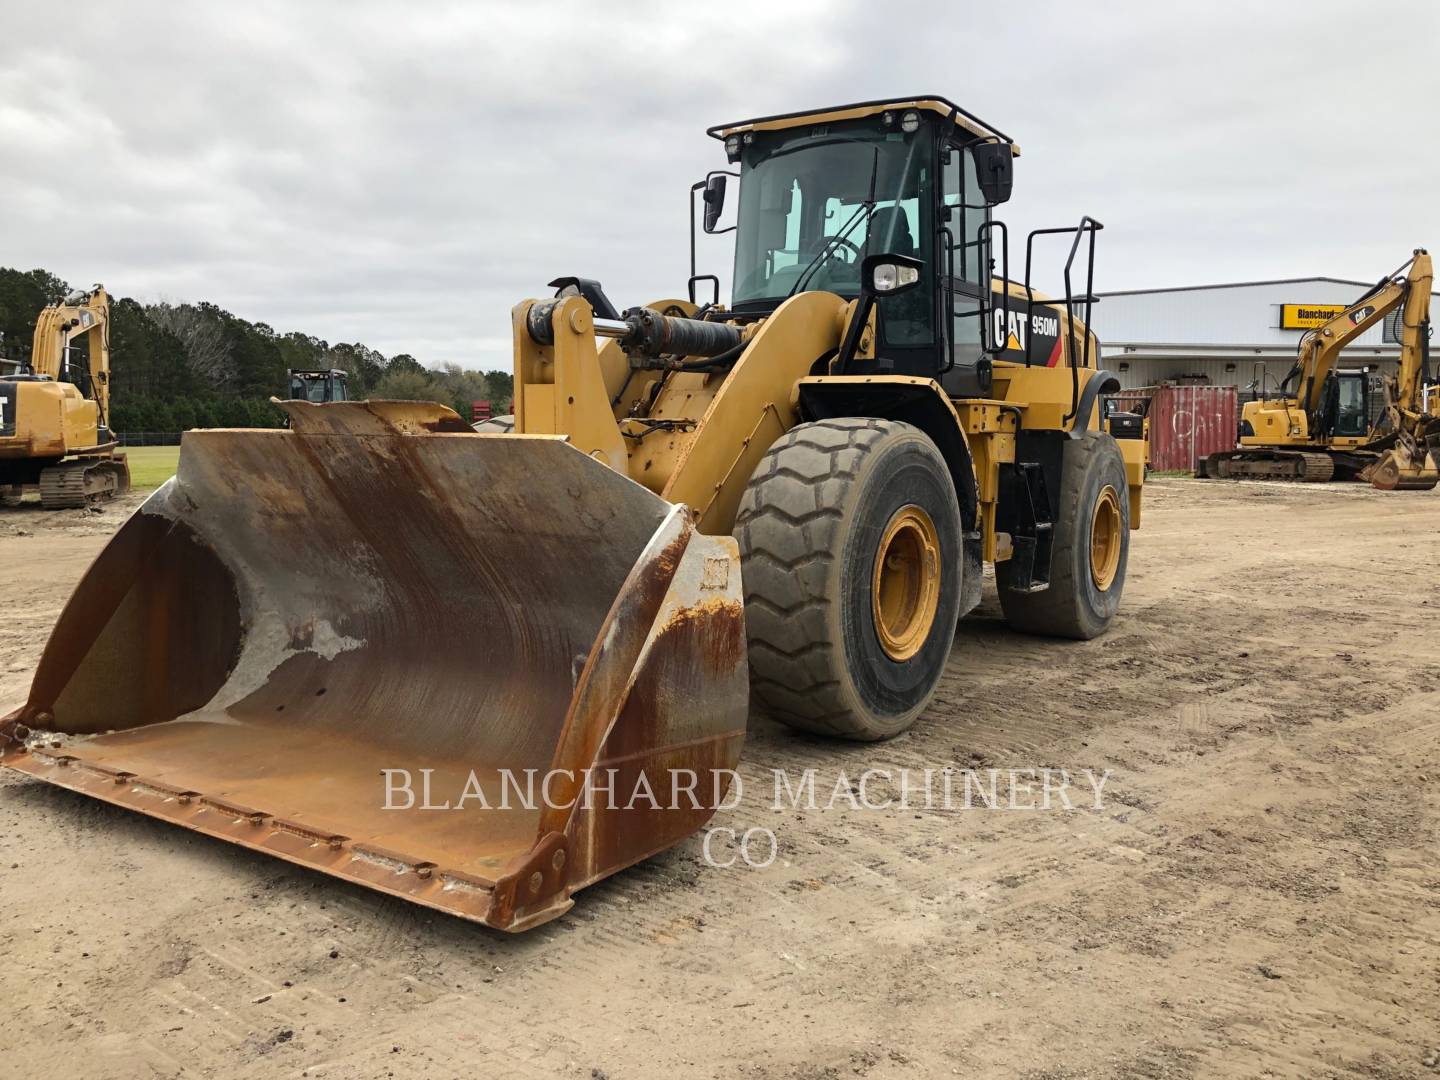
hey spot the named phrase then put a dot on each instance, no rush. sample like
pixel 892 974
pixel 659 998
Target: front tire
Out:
pixel 850 547
pixel 1090 552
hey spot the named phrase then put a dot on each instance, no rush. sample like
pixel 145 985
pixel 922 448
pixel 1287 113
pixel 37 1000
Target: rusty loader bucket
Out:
pixel 475 671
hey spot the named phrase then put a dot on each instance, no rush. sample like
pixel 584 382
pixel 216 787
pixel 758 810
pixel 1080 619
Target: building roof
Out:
pixel 1233 315
pixel 1242 285
pixel 1237 285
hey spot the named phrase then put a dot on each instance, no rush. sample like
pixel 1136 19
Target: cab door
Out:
pixel 965 274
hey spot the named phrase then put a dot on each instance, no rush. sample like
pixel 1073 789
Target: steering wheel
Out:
pixel 836 242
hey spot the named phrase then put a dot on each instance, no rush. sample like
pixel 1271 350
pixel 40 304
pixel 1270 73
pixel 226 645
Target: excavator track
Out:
pixel 1291 465
pixel 1316 468
pixel 73 484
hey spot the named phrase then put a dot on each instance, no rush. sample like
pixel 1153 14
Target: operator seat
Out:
pixel 889 232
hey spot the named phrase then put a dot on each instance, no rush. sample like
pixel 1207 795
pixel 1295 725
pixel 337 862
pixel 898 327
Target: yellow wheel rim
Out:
pixel 1107 531
pixel 906 590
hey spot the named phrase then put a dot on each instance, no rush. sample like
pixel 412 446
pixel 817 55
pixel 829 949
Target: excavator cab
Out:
pixel 1349 404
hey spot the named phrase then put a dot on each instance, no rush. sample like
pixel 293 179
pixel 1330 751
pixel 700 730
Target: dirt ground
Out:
pixel 1258 896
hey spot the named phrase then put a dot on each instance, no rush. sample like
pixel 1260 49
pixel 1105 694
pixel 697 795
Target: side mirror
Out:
pixel 994 171
pixel 714 200
pixel 887 274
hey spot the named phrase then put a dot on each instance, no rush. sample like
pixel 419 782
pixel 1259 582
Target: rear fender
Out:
pixel 911 400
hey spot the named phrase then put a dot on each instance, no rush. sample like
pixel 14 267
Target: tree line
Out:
pixel 180 366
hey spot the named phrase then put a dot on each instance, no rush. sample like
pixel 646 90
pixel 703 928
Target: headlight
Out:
pixel 887 277
pixel 732 147
pixel 910 122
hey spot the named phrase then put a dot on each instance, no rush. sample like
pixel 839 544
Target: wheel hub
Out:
pixel 906 589
pixel 1106 537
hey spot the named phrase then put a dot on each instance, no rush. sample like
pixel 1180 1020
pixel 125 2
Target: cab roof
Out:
pixel 928 102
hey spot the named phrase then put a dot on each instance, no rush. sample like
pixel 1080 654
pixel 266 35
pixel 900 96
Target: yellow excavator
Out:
pixel 482 670
pixel 54 433
pixel 1318 428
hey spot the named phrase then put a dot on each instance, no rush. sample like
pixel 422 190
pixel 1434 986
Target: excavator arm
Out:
pixel 1406 389
pixel 1412 436
pixel 80 315
pixel 1320 349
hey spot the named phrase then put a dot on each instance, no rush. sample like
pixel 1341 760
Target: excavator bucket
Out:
pixel 475 671
pixel 1407 460
pixel 1394 471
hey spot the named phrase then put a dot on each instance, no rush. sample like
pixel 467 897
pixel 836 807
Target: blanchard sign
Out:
pixel 1308 316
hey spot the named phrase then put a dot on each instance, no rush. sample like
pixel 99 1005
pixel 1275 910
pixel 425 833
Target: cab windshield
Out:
pixel 800 192
pixel 318 389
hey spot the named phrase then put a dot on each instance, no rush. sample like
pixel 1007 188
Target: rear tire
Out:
pixel 496 424
pixel 1091 547
pixel 850 547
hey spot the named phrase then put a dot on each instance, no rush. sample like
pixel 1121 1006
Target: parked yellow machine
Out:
pixel 793 495
pixel 53 413
pixel 1318 427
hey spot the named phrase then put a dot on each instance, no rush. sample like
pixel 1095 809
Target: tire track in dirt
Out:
pixel 1258 894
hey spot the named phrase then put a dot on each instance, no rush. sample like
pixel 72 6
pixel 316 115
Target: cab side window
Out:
pixel 966 213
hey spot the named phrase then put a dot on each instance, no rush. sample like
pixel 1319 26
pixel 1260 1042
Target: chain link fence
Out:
pixel 148 438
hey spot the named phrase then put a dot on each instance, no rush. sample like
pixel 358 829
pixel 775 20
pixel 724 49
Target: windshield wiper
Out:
pixel 864 210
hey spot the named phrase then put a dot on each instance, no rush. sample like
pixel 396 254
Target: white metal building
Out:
pixel 1226 335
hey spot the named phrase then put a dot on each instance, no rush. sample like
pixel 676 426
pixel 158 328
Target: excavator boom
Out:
pixel 81 315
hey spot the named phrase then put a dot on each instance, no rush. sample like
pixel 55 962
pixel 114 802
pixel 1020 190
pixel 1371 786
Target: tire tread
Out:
pixel 787 499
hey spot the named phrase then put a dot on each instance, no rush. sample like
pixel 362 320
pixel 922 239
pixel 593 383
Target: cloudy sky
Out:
pixel 401 174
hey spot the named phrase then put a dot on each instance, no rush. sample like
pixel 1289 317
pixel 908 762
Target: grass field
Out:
pixel 151 466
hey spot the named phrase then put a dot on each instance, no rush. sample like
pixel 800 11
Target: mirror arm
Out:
pixel 695 279
pixel 697 186
pixel 851 343
pixel 695 275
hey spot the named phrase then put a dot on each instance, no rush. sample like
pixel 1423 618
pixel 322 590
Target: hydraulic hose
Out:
pixel 645 332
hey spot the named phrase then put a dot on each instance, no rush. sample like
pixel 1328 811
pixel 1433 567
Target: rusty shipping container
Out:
pixel 1186 422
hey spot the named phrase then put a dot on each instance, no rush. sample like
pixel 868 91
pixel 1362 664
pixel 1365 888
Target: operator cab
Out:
pixel 822 191
pixel 317 386
pixel 1345 409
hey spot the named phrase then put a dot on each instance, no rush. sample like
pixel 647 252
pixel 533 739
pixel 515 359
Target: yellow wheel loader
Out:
pixel 1318 428
pixel 54 432
pixel 481 670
